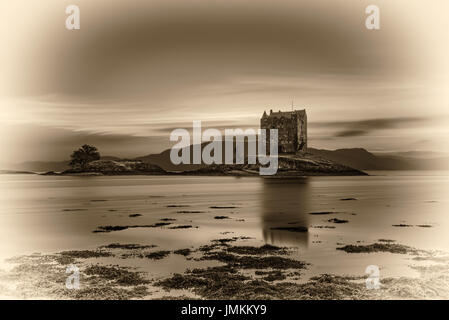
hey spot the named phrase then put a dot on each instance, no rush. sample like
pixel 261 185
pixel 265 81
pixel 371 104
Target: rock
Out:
pixel 118 167
pixel 288 165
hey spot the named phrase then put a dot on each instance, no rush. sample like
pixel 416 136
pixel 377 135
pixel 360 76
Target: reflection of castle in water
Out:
pixel 285 204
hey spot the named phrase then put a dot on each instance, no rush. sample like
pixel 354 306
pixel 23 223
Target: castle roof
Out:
pixel 285 113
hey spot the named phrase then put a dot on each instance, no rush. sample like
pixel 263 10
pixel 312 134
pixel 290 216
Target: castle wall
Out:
pixel 292 129
pixel 302 133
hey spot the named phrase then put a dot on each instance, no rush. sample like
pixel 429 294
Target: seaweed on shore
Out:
pixel 157 255
pixel 189 211
pixel 186 226
pixel 37 275
pixel 110 228
pixel 378 247
pixel 221 217
pixel 270 276
pixel 228 240
pixel 322 213
pixel 68 257
pixel 118 275
pixel 224 283
pixel 247 273
pixel 336 220
pixel 212 282
pixel 119 228
pixel 223 207
pixel 265 249
pixel 129 246
pixel 252 262
pixel 183 252
pixel 323 227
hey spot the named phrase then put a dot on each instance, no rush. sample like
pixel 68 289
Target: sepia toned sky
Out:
pixel 138 69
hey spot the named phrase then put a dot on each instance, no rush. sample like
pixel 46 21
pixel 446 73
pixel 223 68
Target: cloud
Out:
pixel 351 133
pixel 219 125
pixel 138 69
pixel 32 142
pixel 364 127
pixel 155 48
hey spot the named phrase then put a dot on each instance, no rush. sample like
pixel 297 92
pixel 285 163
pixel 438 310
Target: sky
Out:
pixel 138 69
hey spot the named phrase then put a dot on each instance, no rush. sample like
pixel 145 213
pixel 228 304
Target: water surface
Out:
pixel 54 213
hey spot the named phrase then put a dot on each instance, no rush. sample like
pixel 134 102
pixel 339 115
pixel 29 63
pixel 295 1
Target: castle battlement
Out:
pixel 292 129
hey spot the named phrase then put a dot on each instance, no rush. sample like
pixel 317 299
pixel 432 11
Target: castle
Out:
pixel 292 129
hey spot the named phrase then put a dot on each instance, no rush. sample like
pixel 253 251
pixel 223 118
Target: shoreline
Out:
pixel 238 271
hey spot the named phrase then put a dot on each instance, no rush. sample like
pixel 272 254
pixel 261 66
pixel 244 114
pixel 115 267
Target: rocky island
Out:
pixel 293 156
pixel 289 166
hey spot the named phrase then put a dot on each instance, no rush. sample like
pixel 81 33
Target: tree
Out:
pixel 84 155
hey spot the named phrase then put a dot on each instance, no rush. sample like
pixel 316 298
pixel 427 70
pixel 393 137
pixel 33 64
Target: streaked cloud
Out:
pixel 140 68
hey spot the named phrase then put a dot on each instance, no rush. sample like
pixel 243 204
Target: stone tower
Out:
pixel 292 129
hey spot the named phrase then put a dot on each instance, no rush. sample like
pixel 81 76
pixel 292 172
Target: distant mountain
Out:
pixel 163 160
pixel 361 159
pixel 357 158
pixel 414 154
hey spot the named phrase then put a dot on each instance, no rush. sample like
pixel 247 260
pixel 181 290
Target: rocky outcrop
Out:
pixel 288 165
pixel 122 167
pixel 311 165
